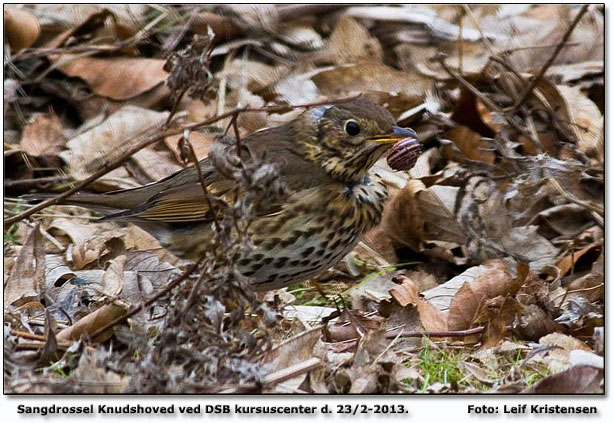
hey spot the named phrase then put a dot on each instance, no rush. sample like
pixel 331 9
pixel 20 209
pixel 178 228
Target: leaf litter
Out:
pixel 486 273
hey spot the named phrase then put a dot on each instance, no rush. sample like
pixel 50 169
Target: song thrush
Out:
pixel 323 156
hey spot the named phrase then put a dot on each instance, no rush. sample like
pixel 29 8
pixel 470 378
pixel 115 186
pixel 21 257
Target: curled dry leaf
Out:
pixel 113 279
pixel 533 323
pixel 586 121
pixel 43 135
pixel 471 297
pixel 92 322
pixel 21 28
pixel 421 218
pixel 407 293
pixel 91 242
pixel 26 281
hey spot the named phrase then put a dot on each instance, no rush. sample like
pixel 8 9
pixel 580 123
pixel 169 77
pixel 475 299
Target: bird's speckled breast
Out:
pixel 302 241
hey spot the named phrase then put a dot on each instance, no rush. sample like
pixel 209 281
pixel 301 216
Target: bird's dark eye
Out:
pixel 352 128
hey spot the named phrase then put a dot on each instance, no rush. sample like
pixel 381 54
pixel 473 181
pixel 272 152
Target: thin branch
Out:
pixel 150 300
pixel 529 88
pixel 487 101
pixel 436 334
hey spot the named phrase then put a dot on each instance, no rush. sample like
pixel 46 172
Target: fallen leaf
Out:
pixel 89 151
pixel 117 78
pixel 577 380
pixel 466 304
pixel 43 135
pixel 26 281
pixel 92 322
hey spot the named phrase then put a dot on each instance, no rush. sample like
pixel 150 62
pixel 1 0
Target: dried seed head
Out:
pixel 404 154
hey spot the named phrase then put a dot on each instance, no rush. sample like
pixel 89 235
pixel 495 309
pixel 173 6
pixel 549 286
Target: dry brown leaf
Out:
pixel 92 322
pixel 200 141
pixel 586 121
pixel 423 219
pixel 533 323
pixel 571 260
pixel 369 76
pixel 292 351
pixel 441 296
pixel 470 143
pixel 466 304
pixel 117 78
pixel 113 279
pixel 407 293
pixel 155 165
pixel 27 278
pixel 21 28
pixel 577 380
pixel 351 324
pixel 43 135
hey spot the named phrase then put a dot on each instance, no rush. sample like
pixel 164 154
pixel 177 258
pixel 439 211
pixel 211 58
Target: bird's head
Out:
pixel 346 139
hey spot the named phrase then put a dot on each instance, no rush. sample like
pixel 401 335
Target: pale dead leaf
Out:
pixel 26 281
pixel 43 135
pixel 89 151
pixel 586 121
pixel 369 76
pixel 350 42
pixel 113 279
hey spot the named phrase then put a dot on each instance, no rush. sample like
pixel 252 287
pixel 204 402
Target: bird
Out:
pixel 324 157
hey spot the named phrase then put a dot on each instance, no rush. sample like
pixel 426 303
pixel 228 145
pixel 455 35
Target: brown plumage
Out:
pixel 324 157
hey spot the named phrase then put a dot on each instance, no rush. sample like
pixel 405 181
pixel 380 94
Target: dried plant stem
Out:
pixel 436 334
pixel 134 310
pixel 487 101
pixel 529 88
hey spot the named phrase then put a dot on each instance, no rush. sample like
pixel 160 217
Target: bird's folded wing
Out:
pixel 187 203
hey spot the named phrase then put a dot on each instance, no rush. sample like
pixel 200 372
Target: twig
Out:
pixel 483 37
pixel 436 334
pixel 573 199
pixel 487 101
pixel 35 181
pixel 150 300
pixel 278 377
pixel 201 178
pixel 529 88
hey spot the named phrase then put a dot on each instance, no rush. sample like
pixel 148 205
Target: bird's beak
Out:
pixel 397 135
